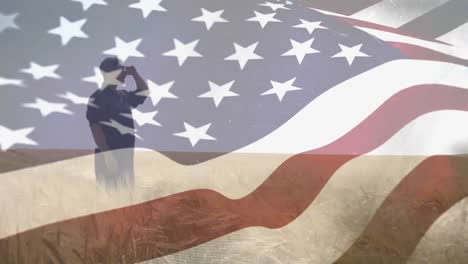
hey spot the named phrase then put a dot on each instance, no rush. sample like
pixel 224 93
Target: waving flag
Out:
pixel 287 132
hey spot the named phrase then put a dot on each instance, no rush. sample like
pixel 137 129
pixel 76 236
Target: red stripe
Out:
pixel 366 24
pixel 440 20
pixel 339 6
pixel 421 53
pixel 410 210
pixel 180 221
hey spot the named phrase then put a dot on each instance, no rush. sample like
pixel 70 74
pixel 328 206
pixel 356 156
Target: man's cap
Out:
pixel 110 64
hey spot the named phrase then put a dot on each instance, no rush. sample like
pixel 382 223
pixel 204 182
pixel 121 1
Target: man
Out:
pixel 109 110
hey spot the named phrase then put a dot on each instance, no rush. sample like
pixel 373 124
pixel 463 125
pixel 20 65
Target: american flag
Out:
pixel 274 132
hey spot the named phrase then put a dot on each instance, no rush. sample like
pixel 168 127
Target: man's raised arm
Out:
pixel 140 83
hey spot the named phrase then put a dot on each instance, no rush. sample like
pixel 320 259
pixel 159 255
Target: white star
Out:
pixel 97 78
pixel 218 92
pixel 309 25
pixel 68 30
pixel 157 92
pixel 8 21
pixel 123 130
pixel 88 3
pixel 10 137
pixel 47 108
pixel 143 118
pixel 7 81
pixel 103 79
pixel 183 51
pixel 274 6
pixel 243 55
pixel 76 99
pixel 195 134
pixel 123 50
pixel 300 50
pixel 209 18
pixel 350 53
pixel 263 19
pixel 148 6
pixel 280 89
pixel 38 71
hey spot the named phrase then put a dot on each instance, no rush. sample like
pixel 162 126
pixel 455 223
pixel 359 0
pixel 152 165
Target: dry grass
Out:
pixel 127 243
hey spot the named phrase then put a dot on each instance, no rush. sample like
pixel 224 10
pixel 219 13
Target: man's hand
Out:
pixel 141 85
pixel 130 70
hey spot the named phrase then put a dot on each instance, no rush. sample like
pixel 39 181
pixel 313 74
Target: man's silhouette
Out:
pixel 109 110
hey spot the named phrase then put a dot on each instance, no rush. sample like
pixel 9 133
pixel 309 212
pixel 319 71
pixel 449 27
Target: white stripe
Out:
pixel 339 214
pixel 429 135
pixel 445 241
pixel 457 37
pixel 395 13
pixel 340 109
pixel 461 52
